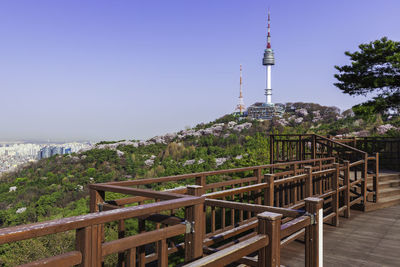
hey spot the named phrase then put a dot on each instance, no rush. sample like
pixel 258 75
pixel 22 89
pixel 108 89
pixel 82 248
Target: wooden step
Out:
pixel 383 203
pixel 389 176
pixel 386 184
pixel 384 177
pixel 387 192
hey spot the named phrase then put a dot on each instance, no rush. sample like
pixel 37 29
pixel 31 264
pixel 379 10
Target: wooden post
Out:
pixel 131 258
pixel 121 234
pixel 271 152
pixel 320 180
pixel 258 174
pixel 335 196
pixel 88 242
pixel 293 190
pixel 82 244
pixel 195 215
pixel 269 192
pixel 376 178
pixel 162 253
pixel 271 145
pixel 347 191
pixel 309 189
pixel 142 249
pixel 96 197
pixel 300 148
pixel 365 181
pixel 201 181
pixel 269 223
pixel 314 233
pixel 328 143
pixel 314 147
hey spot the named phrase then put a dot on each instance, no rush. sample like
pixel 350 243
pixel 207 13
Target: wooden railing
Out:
pixel 311 146
pixel 221 179
pixel 236 242
pixel 220 214
pixel 232 206
pixel 387 147
pixel 91 249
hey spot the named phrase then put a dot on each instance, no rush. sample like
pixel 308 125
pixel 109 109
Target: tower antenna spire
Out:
pixel 269 31
pixel 241 107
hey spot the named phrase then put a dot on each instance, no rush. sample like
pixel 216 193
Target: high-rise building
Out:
pixel 45 152
pixel 56 150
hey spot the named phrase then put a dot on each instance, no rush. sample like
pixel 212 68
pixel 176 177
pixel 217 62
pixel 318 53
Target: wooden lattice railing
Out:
pixel 90 248
pixel 291 147
pixel 169 222
pixel 387 147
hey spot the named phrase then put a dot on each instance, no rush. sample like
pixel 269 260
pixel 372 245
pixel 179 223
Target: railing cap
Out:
pixel 194 186
pixel 270 216
pixel 316 200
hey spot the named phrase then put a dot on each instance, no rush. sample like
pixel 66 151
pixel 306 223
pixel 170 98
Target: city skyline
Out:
pixel 14 155
pixel 100 70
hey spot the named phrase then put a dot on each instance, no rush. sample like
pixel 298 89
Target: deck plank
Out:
pixel 365 239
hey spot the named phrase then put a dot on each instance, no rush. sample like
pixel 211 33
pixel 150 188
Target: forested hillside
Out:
pixel 57 187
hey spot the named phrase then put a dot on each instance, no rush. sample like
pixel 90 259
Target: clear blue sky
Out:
pixel 105 70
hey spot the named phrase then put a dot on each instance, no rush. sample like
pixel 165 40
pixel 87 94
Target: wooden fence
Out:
pixel 232 206
pixel 172 222
pixel 387 147
pixel 290 147
pixel 91 249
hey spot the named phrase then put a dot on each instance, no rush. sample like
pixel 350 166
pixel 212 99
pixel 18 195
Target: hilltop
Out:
pixel 57 187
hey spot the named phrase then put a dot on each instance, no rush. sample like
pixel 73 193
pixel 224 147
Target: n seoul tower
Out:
pixel 268 61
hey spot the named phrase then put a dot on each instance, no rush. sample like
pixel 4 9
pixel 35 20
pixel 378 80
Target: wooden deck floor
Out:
pixel 365 239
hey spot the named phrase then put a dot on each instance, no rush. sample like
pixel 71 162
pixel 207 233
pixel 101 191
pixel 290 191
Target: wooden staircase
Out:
pixel 389 191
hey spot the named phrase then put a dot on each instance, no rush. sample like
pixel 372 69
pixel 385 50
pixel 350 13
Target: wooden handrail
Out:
pixel 253 207
pixel 210 173
pixel 235 191
pixel 136 192
pixel 356 163
pixel 230 182
pixel 232 253
pixel 22 232
pixel 67 259
pixel 290 179
pixel 142 239
pixel 294 225
pixel 340 144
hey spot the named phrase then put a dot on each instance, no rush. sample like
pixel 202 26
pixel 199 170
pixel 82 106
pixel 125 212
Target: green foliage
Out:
pixel 25 251
pixel 374 69
pixel 52 188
